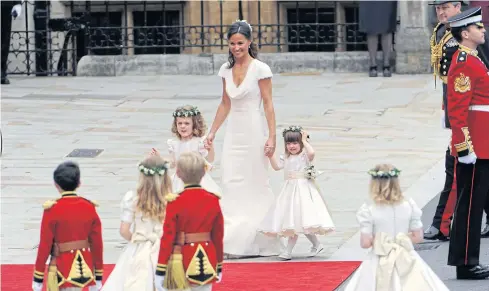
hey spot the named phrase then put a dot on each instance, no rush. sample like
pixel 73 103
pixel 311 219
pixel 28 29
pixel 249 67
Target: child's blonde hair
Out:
pixel 198 123
pixel 384 185
pixel 154 185
pixel 191 168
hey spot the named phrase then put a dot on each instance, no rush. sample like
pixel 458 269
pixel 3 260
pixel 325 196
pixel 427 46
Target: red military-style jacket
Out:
pixel 71 229
pixel 192 215
pixel 468 104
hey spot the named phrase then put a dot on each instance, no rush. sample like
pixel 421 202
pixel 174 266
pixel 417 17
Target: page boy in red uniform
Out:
pixel 191 249
pixel 71 233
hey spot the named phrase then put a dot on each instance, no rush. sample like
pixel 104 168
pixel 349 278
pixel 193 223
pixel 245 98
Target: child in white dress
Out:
pixel 390 225
pixel 189 127
pixel 299 208
pixel 144 210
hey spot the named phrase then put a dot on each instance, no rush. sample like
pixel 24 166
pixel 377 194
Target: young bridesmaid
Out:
pixel 143 211
pixel 299 208
pixel 189 127
pixel 390 224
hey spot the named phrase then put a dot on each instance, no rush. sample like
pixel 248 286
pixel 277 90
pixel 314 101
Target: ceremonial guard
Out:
pixel 71 232
pixel 468 111
pixel 191 249
pixel 443 46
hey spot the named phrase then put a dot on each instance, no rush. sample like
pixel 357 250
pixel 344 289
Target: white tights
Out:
pixel 293 240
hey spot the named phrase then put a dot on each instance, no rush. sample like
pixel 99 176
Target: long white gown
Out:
pixel 246 191
pixel 299 208
pixel 136 266
pixel 195 144
pixel 393 264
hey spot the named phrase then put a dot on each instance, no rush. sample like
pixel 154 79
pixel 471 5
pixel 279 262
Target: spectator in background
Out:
pixel 378 18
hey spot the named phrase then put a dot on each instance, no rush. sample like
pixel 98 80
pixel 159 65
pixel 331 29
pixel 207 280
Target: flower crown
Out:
pixel 394 173
pixel 160 170
pixel 246 22
pixel 295 128
pixel 181 112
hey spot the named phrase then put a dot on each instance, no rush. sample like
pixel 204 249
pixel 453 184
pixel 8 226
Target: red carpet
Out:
pixel 283 276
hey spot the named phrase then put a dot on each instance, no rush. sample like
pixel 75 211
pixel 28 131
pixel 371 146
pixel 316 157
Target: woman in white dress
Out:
pixel 144 210
pixel 390 225
pixel 246 191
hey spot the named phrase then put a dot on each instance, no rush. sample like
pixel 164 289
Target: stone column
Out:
pixel 413 38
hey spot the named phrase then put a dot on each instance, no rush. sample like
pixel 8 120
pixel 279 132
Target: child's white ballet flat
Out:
pixel 316 250
pixel 285 256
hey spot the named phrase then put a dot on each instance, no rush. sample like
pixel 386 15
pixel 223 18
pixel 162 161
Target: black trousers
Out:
pixel 472 189
pixel 6 30
pixel 445 193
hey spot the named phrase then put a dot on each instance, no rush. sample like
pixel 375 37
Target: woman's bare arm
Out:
pixel 266 95
pixel 222 110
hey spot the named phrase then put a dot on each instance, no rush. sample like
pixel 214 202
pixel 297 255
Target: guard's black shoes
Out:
pixel 5 81
pixel 485 231
pixel 478 272
pixel 432 233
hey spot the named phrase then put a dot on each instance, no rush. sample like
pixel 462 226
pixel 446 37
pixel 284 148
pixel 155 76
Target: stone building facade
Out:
pixel 131 28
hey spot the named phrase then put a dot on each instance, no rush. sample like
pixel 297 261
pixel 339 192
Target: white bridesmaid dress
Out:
pixel 246 191
pixel 136 266
pixel 392 263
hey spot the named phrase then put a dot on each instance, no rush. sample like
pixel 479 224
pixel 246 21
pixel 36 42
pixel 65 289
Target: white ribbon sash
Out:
pixel 396 254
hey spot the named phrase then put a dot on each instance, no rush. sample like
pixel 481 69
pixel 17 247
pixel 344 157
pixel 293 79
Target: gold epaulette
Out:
pixel 48 204
pixel 170 197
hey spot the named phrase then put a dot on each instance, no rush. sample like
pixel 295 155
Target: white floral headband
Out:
pixel 246 22
pixel 160 170
pixel 182 112
pixel 394 173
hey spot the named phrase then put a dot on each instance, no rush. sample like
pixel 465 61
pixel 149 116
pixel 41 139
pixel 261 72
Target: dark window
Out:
pixel 105 34
pixel 311 30
pixel 156 32
pixel 355 40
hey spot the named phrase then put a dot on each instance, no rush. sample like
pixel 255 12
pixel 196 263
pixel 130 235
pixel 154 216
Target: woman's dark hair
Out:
pixel 245 29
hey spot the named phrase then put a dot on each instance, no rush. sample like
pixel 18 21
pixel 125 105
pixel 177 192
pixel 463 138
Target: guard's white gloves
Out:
pixel 96 287
pixel 159 283
pixel 16 10
pixel 468 159
pixel 443 124
pixel 219 277
pixel 36 286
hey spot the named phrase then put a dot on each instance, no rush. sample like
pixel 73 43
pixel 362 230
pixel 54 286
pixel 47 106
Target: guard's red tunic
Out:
pixel 194 225
pixel 468 104
pixel 71 228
